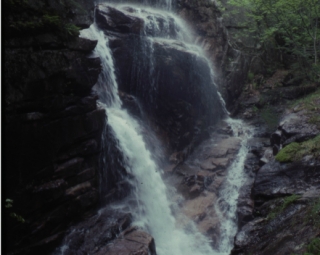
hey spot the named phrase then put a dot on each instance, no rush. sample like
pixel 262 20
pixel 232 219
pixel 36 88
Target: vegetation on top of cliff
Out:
pixel 296 151
pixel 288 26
pixel 27 17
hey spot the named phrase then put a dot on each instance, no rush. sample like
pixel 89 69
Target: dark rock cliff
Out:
pixel 172 83
pixel 52 126
pixel 230 65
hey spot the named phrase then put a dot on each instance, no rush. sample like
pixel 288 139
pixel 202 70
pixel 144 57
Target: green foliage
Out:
pixel 17 217
pixel 287 154
pixel 313 247
pixel 296 151
pixel 51 20
pixel 289 200
pixel 290 26
pixel 9 204
pixel 28 18
pixel 47 22
pixel 71 29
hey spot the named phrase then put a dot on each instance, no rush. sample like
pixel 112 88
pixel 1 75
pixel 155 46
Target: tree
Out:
pixel 290 25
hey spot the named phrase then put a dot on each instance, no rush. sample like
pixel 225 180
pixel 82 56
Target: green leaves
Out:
pixel 292 26
pixel 9 204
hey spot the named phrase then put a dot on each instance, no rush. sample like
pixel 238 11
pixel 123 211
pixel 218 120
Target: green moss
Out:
pixel 289 200
pixel 283 205
pixel 288 153
pixel 71 29
pixel 25 18
pixel 313 247
pixel 296 151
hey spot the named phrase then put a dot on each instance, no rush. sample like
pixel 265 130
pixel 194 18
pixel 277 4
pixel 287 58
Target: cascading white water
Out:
pixel 153 212
pixel 228 196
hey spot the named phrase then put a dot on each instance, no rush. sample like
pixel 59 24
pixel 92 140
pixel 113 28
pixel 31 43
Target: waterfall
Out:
pixel 228 196
pixel 162 4
pixel 153 212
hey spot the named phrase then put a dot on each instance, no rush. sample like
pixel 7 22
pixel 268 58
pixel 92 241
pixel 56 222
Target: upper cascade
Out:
pixel 145 21
pixel 159 4
pixel 157 62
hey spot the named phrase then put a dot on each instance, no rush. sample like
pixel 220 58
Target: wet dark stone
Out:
pixel 275 179
pixel 112 19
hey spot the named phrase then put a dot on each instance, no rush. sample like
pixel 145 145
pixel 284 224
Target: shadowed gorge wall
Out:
pixel 52 125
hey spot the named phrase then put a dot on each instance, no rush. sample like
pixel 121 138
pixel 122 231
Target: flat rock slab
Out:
pixel 134 241
pixel 109 233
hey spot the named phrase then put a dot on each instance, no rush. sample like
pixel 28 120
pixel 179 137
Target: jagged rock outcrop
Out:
pixel 172 82
pixel 52 124
pixel 201 178
pixel 108 232
pixel 230 65
pixel 285 216
pixel 53 131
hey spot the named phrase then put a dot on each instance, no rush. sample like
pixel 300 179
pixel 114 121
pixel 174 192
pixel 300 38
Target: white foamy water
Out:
pixel 153 213
pixel 228 196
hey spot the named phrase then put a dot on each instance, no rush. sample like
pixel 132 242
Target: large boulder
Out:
pixel 282 227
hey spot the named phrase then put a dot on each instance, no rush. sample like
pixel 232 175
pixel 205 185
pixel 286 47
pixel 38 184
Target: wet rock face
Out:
pixel 276 179
pixel 53 139
pixel 172 83
pixel 280 229
pixel 230 66
pixel 285 195
pixel 111 19
pixel 52 142
pixel 109 232
pixel 202 176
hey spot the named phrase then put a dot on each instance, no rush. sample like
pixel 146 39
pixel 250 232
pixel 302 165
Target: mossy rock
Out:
pixel 296 151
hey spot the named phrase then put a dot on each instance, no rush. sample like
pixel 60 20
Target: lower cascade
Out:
pixel 153 33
